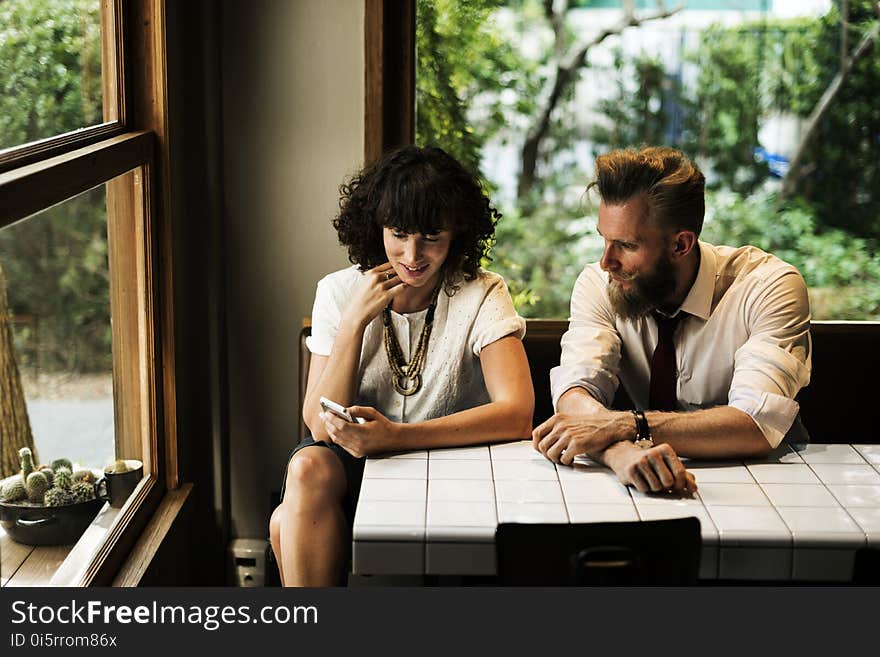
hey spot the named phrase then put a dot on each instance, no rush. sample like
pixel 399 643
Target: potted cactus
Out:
pixel 47 504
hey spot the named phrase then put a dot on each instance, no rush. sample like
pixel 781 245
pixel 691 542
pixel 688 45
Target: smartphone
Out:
pixel 339 410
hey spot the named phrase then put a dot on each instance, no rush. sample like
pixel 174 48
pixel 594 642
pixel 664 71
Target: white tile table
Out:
pixel 800 514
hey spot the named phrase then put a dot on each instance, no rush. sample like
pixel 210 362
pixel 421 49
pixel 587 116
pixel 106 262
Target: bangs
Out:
pixel 419 201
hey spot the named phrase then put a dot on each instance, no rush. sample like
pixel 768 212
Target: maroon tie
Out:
pixel 662 395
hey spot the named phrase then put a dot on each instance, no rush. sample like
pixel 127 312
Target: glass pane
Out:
pixel 731 83
pixel 50 68
pixel 57 287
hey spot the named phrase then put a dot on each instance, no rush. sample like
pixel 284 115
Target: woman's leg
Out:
pixel 309 530
pixel 275 539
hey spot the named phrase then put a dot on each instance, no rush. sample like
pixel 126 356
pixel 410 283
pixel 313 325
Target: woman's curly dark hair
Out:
pixel 417 190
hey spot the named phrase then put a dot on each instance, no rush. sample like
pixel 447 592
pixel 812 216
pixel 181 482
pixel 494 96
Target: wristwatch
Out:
pixel 643 431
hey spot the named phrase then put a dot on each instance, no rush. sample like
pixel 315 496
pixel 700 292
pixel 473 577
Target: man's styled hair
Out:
pixel 670 183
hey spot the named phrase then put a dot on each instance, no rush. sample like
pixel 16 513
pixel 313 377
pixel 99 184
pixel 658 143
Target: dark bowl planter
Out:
pixel 48 525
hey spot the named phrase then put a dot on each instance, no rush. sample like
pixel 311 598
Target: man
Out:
pixel 710 342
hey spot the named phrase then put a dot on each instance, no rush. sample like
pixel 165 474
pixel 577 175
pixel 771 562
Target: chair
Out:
pixel 866 570
pixel 654 553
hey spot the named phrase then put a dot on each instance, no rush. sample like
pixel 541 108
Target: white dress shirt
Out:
pixel 745 341
pixel 479 313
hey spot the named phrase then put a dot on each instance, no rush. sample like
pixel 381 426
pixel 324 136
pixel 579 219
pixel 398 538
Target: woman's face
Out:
pixel 416 258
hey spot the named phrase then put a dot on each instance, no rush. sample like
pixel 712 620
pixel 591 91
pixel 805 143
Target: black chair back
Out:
pixel 638 553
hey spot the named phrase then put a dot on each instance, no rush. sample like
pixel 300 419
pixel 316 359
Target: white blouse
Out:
pixel 479 313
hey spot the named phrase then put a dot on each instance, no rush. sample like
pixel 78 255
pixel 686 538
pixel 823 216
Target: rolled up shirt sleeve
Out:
pixel 775 362
pixel 496 317
pixel 591 347
pixel 326 316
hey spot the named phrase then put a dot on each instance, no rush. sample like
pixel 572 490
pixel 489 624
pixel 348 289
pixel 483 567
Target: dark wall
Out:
pixel 196 153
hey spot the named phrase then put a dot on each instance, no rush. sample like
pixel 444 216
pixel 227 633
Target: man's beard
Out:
pixel 648 292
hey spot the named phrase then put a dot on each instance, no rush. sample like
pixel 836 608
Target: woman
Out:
pixel 415 339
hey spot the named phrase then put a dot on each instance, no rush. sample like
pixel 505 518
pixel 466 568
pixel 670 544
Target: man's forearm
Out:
pixel 720 432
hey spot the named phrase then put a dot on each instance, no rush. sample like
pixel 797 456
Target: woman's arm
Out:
pixel 506 417
pixel 335 376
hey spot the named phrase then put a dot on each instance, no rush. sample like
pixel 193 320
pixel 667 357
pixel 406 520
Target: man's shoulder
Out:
pixel 749 262
pixel 593 275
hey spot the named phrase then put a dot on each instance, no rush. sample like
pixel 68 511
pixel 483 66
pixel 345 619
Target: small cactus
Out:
pixel 14 490
pixel 63 477
pixel 119 466
pixel 62 463
pixel 57 497
pixel 50 476
pixel 82 491
pixel 36 486
pixel 83 475
pixel 27 462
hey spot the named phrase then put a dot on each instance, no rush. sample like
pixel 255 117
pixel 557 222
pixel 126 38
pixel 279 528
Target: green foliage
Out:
pixel 758 69
pixel 56 264
pixel 724 115
pixel 843 183
pixel 842 271
pixel 50 68
pixel 460 55
pixel 638 112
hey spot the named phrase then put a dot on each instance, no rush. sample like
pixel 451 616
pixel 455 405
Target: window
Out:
pixel 50 69
pixel 775 102
pixel 93 197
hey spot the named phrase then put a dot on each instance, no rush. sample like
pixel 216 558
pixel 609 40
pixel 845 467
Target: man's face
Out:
pixel 641 276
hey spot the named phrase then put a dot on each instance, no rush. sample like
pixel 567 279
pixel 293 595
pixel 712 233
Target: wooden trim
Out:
pixel 112 49
pixel 111 44
pixel 373 44
pixel 389 75
pixel 125 256
pixel 147 109
pixel 40 185
pixel 135 516
pixel 18 156
pixel 148 544
pixel 832 327
pixel 545 328
pixel 140 251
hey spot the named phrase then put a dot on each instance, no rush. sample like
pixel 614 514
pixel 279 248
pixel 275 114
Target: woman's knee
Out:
pixel 315 471
pixel 275 525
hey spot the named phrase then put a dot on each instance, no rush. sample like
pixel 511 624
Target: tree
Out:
pixel 568 58
pixel 56 264
pixel 845 109
pixel 15 426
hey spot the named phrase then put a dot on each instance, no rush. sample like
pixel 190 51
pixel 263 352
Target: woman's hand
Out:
pixel 378 287
pixel 376 435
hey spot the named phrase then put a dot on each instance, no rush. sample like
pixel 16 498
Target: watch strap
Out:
pixel 643 431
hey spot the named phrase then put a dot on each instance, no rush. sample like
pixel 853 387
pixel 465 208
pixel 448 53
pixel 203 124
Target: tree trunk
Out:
pixel 564 77
pixel 15 427
pixel 797 169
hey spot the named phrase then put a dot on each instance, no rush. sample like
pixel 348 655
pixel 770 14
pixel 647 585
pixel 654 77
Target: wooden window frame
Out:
pixel 389 76
pixel 130 154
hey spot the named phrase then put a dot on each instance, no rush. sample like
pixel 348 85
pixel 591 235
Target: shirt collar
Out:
pixel 698 301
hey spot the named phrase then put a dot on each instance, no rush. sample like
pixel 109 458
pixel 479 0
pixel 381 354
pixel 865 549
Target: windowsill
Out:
pixel 54 565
